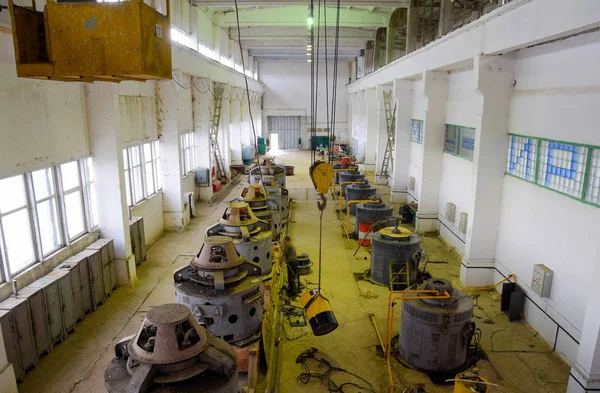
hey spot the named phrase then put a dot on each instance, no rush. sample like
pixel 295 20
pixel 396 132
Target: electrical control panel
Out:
pixel 450 213
pixel 411 183
pixel 541 281
pixel 463 221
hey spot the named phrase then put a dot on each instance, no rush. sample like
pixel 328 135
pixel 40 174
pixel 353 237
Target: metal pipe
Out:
pixel 372 317
pixel 347 182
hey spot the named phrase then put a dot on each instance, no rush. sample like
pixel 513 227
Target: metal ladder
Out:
pixel 397 275
pixel 214 133
pixel 390 122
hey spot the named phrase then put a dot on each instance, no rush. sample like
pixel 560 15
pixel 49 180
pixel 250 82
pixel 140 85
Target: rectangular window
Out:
pixel 416 134
pixel 451 139
pixel 466 147
pixel 188 153
pixel 73 199
pixel 15 226
pixel 47 210
pixel 562 167
pixel 42 211
pixel 142 172
pixel 459 141
pixel 522 157
pixel 592 193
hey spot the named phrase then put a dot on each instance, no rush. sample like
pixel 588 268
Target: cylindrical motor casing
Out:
pixel 356 192
pixel 434 335
pixel 350 176
pixel 336 177
pixel 371 212
pixel 399 251
pixel 226 316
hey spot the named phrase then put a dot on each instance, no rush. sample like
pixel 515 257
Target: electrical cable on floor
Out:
pixel 326 377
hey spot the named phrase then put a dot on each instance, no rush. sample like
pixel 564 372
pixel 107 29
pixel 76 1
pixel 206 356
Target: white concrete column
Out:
pixel 107 147
pixel 361 125
pixel 494 76
pixel 236 126
pixel 371 128
pixel 202 109
pixel 435 90
pixel 403 96
pixel 585 375
pixel 170 146
pixel 381 135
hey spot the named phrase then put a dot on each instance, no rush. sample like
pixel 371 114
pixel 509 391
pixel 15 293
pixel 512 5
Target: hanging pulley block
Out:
pixel 321 174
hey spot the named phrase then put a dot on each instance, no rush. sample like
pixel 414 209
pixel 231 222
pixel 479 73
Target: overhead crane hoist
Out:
pixel 91 41
pixel 318 310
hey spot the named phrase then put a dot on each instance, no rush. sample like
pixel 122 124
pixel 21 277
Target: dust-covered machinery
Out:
pixel 251 236
pixel 172 353
pixel 280 196
pixel 267 168
pixel 359 192
pixel 435 334
pixel 395 257
pixel 257 197
pixel 345 163
pixel 222 289
pixel 368 214
pixel 349 176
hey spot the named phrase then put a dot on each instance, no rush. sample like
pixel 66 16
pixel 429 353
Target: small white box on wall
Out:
pixel 541 281
pixel 411 183
pixel 450 213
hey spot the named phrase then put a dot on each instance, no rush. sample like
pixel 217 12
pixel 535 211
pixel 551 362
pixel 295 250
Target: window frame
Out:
pixel 458 140
pixel 128 171
pixel 31 207
pixel 586 174
pixel 188 153
pixel 64 193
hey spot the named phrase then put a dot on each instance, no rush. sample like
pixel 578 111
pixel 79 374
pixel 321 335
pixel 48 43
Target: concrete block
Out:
pixel 126 271
pixel 476 277
pixel 8 382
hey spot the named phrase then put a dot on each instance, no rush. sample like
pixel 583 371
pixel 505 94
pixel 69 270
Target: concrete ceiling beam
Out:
pixel 296 16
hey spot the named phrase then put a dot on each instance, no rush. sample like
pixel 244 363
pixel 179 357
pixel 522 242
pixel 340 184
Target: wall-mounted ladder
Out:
pixel 214 133
pixel 390 122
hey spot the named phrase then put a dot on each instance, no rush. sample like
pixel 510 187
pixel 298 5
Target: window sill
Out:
pixel 40 269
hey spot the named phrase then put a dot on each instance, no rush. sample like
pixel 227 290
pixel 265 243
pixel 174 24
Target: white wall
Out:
pixel 43 123
pixel 154 223
pixel 416 149
pixel 557 96
pixel 457 173
pixel 287 88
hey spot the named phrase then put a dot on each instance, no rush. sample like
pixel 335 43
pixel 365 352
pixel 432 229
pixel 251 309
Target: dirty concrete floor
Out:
pixel 519 362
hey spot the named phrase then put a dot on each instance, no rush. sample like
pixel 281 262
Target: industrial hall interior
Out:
pixel 299 196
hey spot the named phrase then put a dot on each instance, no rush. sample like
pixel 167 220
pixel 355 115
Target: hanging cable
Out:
pixel 328 126
pixel 255 142
pixel 335 80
